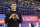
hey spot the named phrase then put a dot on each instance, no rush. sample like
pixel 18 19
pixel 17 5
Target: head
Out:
pixel 13 6
pixel 33 4
pixel 29 3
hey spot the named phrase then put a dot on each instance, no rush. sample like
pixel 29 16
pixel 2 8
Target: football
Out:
pixel 15 19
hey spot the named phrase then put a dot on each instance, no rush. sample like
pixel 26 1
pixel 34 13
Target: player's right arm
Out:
pixel 7 20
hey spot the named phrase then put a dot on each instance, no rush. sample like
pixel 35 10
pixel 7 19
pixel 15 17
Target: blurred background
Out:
pixel 25 7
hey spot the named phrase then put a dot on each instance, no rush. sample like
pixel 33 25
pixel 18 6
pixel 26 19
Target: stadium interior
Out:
pixel 25 7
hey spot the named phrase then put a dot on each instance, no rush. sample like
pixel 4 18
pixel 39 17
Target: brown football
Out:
pixel 15 19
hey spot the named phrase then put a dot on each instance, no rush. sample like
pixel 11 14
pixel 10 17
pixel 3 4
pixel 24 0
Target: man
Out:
pixel 13 17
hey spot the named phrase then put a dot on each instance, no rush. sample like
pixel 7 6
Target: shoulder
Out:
pixel 19 13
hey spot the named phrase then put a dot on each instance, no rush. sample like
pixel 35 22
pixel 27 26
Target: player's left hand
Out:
pixel 17 16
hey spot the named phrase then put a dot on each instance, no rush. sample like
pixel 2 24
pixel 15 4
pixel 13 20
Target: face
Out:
pixel 13 6
pixel 33 4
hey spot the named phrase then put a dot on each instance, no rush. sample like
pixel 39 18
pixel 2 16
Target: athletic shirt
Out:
pixel 11 23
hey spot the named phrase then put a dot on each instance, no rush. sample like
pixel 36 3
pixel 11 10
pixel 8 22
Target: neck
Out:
pixel 13 9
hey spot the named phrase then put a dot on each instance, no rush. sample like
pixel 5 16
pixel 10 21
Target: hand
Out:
pixel 11 16
pixel 17 16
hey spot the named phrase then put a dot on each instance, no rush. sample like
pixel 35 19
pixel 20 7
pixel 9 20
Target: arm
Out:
pixel 20 18
pixel 7 18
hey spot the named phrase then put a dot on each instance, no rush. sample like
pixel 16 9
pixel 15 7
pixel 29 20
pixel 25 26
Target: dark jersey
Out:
pixel 11 23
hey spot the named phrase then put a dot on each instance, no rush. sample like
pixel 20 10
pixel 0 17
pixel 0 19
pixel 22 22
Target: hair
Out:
pixel 13 2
